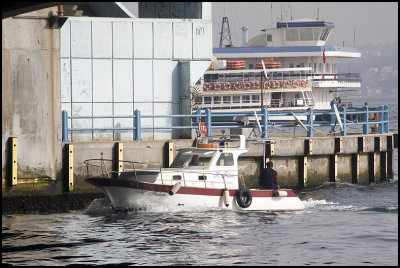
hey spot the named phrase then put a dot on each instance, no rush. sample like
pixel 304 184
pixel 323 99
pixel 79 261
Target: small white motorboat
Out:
pixel 205 176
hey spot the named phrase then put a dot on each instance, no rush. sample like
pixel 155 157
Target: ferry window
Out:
pixel 325 34
pixel 246 99
pixel 207 100
pixel 292 34
pixel 317 32
pixel 315 67
pixel 226 99
pixel 255 98
pixel 291 65
pixel 306 34
pixel 236 99
pixel 251 66
pixel 225 159
pixel 327 68
pixel 320 67
pixel 217 99
pixel 269 37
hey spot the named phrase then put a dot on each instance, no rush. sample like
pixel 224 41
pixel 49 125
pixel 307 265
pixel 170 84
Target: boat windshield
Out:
pixel 191 159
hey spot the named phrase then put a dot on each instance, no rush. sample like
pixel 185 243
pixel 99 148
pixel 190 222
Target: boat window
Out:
pixel 207 100
pixel 292 34
pixel 236 99
pixel 217 99
pixel 269 37
pixel 184 159
pixel 317 32
pixel 325 34
pixel 225 159
pixel 176 177
pixel 226 99
pixel 306 34
pixel 246 99
pixel 255 98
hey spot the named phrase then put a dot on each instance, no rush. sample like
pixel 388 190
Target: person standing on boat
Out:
pixel 269 177
pixel 195 161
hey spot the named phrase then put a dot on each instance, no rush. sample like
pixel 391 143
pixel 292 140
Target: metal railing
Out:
pixel 378 118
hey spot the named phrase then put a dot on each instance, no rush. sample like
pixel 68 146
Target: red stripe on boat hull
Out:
pixel 102 182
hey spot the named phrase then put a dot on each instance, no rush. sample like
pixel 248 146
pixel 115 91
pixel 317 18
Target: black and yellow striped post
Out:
pixel 12 166
pixel 68 168
pixel 269 151
pixel 118 164
pixel 389 158
pixel 168 154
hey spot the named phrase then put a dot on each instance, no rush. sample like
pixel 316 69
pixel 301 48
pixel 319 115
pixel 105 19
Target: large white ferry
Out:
pixel 300 71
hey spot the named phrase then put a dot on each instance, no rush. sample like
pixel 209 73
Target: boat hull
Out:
pixel 133 195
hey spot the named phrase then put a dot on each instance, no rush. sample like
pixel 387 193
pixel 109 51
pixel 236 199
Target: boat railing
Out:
pixel 108 167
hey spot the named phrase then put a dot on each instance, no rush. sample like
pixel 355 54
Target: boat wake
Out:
pixel 311 205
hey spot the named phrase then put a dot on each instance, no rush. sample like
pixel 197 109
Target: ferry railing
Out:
pixel 367 117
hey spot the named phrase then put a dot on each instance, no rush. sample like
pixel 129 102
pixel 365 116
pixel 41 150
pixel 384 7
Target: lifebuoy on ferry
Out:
pixel 246 85
pixel 207 86
pixel 227 86
pixel 217 86
pixel 207 145
pixel 267 84
pixel 285 84
pixel 295 83
pixel 237 85
pixel 275 84
pixel 244 197
pixel 304 83
pixel 256 84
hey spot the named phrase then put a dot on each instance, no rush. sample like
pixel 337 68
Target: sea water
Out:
pixel 342 224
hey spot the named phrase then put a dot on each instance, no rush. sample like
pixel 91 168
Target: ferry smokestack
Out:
pixel 245 35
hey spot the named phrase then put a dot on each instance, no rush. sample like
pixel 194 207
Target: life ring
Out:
pixel 256 84
pixel 285 84
pixel 244 197
pixel 207 86
pixel 217 86
pixel 295 83
pixel 267 84
pixel 237 85
pixel 227 86
pixel 275 84
pixel 246 85
pixel 304 83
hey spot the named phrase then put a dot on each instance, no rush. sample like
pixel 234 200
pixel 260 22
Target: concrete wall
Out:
pixel 287 153
pixel 113 66
pixel 31 92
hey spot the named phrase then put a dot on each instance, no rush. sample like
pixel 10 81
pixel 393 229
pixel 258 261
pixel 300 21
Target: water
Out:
pixel 342 224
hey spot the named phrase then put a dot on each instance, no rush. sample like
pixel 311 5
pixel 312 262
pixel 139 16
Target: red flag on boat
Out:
pixel 202 128
pixel 323 55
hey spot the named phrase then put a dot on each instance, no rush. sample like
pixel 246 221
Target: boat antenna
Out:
pixel 271 16
pixel 281 13
pixel 318 11
pixel 354 36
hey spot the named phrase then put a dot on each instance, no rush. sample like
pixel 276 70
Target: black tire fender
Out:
pixel 244 197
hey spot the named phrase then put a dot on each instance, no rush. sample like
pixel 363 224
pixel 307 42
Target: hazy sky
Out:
pixel 374 22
